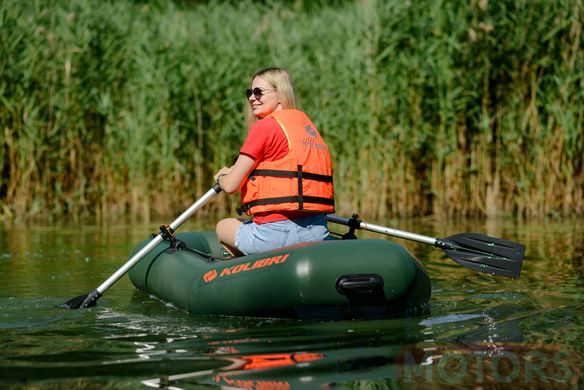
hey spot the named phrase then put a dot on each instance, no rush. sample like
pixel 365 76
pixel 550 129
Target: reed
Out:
pixel 452 108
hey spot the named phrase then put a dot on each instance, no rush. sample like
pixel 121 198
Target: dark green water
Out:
pixel 480 332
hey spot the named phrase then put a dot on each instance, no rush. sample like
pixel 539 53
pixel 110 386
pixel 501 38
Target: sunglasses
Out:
pixel 257 92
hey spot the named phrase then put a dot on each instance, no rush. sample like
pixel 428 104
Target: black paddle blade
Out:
pixel 490 264
pixel 75 303
pixel 485 253
pixel 83 301
pixel 489 245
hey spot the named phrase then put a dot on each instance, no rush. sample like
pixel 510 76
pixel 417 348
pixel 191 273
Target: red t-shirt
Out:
pixel 266 141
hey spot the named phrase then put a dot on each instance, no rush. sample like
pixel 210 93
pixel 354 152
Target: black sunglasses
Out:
pixel 257 92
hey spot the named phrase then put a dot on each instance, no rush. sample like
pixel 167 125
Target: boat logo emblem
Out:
pixel 213 274
pixel 210 275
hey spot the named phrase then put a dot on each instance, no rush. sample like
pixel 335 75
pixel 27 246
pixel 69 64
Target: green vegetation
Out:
pixel 453 108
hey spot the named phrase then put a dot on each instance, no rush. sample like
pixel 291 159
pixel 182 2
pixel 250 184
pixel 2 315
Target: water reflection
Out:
pixel 493 356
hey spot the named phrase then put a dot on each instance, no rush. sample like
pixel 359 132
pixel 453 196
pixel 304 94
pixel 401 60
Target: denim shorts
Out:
pixel 252 238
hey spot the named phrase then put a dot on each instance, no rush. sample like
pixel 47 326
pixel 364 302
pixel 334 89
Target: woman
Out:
pixel 283 171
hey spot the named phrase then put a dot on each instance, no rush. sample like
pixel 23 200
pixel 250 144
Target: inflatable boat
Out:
pixel 331 278
pixel 345 276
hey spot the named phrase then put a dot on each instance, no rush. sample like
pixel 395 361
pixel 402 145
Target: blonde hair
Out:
pixel 282 82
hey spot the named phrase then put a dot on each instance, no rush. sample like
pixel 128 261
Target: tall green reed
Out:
pixel 433 107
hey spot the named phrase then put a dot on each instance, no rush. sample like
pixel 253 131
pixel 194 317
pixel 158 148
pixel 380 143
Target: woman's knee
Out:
pixel 226 230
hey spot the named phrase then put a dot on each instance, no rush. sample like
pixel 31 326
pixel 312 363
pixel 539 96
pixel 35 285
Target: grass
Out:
pixel 452 108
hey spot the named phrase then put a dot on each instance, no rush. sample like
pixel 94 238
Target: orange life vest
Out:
pixel 301 180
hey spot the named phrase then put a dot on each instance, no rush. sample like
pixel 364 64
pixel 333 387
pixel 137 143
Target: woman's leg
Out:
pixel 226 230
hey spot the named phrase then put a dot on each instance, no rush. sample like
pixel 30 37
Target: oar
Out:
pixel 471 250
pixel 90 299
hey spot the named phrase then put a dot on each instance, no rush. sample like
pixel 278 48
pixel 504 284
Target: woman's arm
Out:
pixel 230 179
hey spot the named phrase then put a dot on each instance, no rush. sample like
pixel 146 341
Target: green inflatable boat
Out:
pixel 329 279
pixel 347 277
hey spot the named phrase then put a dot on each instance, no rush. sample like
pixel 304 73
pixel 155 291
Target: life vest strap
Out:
pixel 285 199
pixel 299 173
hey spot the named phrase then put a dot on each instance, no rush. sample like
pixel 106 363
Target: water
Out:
pixel 480 331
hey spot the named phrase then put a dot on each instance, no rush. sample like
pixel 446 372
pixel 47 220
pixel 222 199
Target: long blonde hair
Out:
pixel 282 82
